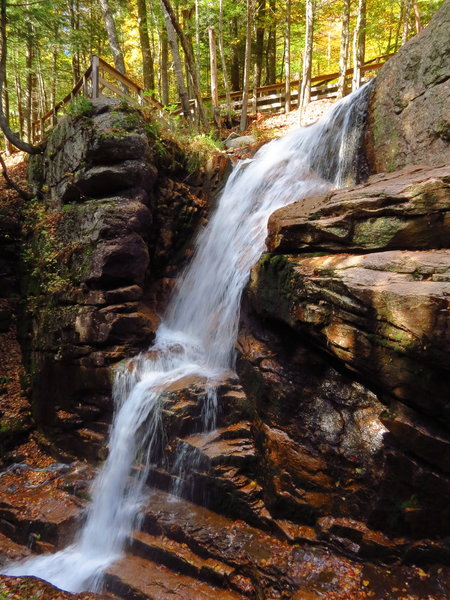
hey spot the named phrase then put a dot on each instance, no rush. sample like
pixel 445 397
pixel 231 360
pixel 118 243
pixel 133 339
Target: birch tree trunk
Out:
pixel 271 52
pixel 305 88
pixel 190 62
pixel 359 44
pixel 74 9
pixel 164 69
pixel 407 10
pixel 113 39
pixel 173 43
pixel 213 68
pixel 417 19
pixel 259 42
pixel 148 71
pixel 226 81
pixel 247 63
pixel 287 59
pixel 343 52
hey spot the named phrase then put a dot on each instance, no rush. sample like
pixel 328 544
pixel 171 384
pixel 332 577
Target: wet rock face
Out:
pixel 409 118
pixel 345 354
pixel 99 261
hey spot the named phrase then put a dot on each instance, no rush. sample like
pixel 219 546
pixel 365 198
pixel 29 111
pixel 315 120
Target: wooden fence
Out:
pixel 101 79
pixel 271 98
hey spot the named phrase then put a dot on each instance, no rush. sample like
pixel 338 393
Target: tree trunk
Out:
pixel 8 145
pixel 19 95
pixel 271 53
pixel 113 39
pixel 407 10
pixel 287 59
pixel 247 63
pixel 359 44
pixel 197 35
pixel 190 62
pixel 259 42
pixel 29 84
pixel 12 137
pixel 74 9
pixel 344 49
pixel 164 70
pixel 305 88
pixel 417 19
pixel 235 63
pixel 147 58
pixel 173 43
pixel 213 65
pixel 226 82
pixel 186 22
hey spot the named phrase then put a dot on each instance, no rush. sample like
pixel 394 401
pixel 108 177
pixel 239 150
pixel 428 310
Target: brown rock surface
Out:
pixel 383 314
pixel 409 113
pixel 406 209
pixel 102 251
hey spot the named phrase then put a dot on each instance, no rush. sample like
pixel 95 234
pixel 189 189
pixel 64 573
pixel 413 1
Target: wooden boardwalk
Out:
pixel 101 79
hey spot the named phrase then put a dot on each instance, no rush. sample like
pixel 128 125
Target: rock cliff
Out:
pixel 105 239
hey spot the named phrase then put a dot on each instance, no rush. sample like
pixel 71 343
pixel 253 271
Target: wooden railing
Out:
pixel 99 79
pixel 271 97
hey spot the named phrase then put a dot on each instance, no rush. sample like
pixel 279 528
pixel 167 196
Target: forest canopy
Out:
pixel 50 43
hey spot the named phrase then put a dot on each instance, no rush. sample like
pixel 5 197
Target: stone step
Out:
pixel 218 537
pixel 136 578
pixel 180 558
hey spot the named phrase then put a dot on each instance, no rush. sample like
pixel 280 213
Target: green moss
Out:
pixel 80 106
pixel 377 232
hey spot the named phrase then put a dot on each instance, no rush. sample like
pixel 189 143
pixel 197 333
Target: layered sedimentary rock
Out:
pixel 105 241
pixel 362 276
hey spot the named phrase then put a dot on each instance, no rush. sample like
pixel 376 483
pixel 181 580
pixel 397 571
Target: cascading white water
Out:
pixel 197 336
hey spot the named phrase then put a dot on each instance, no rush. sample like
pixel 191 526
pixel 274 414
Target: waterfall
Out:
pixel 197 336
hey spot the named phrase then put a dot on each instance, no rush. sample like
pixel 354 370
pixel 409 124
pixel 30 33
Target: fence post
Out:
pixel 95 69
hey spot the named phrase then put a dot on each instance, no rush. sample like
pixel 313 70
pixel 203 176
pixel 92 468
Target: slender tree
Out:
pixel 147 58
pixel 260 17
pixel 287 59
pixel 417 18
pixel 173 43
pixel 344 48
pixel 305 88
pixel 235 57
pixel 113 38
pixel 226 81
pixel 359 44
pixel 213 72
pixel 405 29
pixel 247 63
pixel 187 48
pixel 74 11
pixel 271 51
pixel 164 61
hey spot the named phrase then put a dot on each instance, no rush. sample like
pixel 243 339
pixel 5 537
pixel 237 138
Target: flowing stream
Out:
pixel 198 334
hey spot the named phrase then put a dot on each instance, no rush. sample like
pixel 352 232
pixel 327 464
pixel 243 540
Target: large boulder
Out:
pixel 409 112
